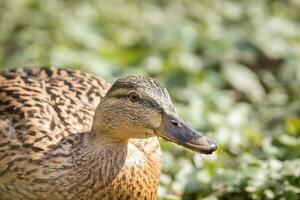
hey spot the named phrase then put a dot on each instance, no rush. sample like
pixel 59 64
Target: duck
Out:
pixel 66 134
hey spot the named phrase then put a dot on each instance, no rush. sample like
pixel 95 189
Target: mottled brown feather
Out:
pixel 45 118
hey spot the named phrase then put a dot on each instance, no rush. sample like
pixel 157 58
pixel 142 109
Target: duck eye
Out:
pixel 134 97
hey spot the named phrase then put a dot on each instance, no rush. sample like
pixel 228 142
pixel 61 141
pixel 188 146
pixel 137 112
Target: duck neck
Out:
pixel 99 163
pixel 105 127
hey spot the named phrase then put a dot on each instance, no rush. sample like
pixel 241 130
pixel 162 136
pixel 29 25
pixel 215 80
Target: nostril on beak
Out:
pixel 176 123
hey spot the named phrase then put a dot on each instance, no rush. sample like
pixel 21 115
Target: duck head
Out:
pixel 140 107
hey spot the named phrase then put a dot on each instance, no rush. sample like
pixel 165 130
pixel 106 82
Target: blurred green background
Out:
pixel 232 68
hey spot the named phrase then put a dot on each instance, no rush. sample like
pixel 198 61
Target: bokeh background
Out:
pixel 232 68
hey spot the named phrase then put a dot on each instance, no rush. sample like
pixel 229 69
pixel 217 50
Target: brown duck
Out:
pixel 59 141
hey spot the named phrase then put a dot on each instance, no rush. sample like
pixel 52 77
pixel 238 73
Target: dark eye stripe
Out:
pixel 151 104
pixel 119 96
pixel 145 102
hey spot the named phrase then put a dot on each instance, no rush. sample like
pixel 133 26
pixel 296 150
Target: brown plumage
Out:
pixel 58 142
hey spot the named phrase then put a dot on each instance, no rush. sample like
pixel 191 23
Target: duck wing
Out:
pixel 41 106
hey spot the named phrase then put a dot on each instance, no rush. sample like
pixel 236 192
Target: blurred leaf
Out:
pixel 293 125
pixel 244 80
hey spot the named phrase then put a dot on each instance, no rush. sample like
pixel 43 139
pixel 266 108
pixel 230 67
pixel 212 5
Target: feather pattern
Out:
pixel 45 118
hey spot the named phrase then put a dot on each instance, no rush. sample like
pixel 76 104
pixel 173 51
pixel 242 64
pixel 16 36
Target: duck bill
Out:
pixel 178 131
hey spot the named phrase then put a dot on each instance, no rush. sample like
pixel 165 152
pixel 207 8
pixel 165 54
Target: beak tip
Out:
pixel 213 146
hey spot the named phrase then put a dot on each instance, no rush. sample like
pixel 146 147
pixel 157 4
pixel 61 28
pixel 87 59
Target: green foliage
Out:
pixel 232 68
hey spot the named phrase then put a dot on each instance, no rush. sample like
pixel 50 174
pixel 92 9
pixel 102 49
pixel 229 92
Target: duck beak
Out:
pixel 176 130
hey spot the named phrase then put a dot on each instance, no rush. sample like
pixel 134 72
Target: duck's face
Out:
pixel 140 107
